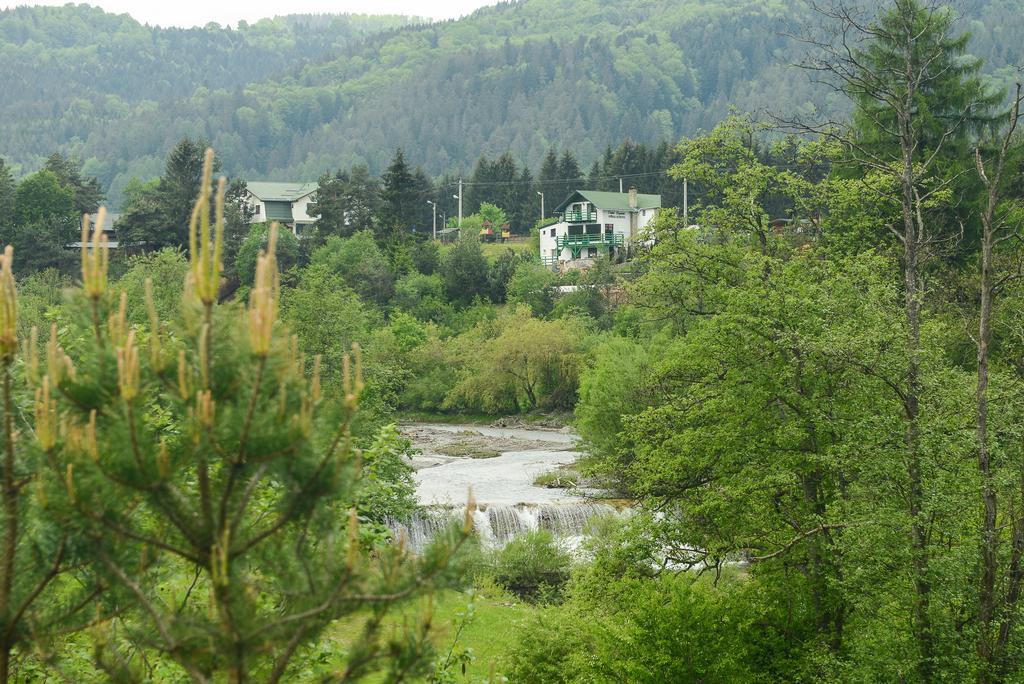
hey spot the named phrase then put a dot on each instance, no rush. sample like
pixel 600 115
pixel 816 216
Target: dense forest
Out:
pixel 294 97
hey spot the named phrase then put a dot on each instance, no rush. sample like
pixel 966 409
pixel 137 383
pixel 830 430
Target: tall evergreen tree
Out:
pixel 86 190
pixel 399 195
pixel 570 175
pixel 7 189
pixel 548 176
pixel 183 173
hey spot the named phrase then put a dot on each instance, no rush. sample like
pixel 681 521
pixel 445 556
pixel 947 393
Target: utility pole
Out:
pixel 434 205
pixel 620 185
pixel 460 203
pixel 541 205
pixel 686 205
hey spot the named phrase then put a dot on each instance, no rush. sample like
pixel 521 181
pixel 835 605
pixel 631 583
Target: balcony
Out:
pixel 577 243
pixel 580 216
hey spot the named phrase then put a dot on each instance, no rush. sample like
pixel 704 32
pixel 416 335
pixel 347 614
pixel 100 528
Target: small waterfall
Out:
pixel 498 524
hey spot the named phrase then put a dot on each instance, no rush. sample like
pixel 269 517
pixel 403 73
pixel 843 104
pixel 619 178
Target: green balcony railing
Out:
pixel 580 216
pixel 577 243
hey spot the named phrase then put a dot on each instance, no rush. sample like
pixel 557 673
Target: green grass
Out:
pixel 492 250
pixel 490 634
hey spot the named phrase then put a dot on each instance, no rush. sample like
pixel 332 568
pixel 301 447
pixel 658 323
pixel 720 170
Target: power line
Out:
pixel 558 180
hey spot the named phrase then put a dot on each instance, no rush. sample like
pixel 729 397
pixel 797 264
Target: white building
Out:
pixel 596 224
pixel 286 203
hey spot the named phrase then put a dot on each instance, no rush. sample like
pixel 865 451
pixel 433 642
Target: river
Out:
pixel 499 465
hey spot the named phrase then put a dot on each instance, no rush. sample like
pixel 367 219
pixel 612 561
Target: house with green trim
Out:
pixel 593 223
pixel 286 203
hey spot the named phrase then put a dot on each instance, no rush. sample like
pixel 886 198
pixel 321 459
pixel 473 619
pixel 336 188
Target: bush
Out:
pixel 464 270
pixel 422 296
pixel 533 566
pixel 677 628
pixel 287 251
pixel 360 263
pixel 532 284
pixel 166 267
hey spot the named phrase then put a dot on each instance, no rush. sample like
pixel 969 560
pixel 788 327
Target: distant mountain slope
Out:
pixel 68 71
pixel 521 76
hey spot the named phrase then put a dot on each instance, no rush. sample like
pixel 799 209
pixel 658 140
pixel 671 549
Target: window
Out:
pixel 609 227
pixel 256 212
pixel 552 232
pixel 591 252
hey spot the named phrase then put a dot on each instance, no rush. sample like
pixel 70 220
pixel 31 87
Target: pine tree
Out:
pixel 178 186
pixel 46 586
pixel 570 175
pixel 548 178
pixel 86 190
pixel 6 195
pixel 399 196
pixel 202 463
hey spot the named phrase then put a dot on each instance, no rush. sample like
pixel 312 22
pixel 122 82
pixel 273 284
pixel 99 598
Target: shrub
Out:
pixel 422 296
pixel 166 267
pixel 256 242
pixel 360 263
pixel 532 284
pixel 533 566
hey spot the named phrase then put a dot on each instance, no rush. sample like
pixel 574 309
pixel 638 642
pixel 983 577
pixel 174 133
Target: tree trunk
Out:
pixel 988 541
pixel 912 240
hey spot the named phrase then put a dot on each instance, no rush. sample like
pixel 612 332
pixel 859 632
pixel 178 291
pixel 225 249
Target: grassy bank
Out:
pixel 496 617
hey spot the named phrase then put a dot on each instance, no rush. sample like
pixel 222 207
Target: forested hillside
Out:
pixel 294 97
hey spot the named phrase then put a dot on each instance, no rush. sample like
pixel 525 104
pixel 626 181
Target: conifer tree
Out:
pixel 6 195
pixel 45 585
pixel 86 189
pixel 215 482
pixel 400 195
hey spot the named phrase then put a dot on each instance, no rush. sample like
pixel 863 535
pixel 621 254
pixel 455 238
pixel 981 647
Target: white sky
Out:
pixel 199 12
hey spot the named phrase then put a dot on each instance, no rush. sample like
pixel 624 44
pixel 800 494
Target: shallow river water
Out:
pixel 508 502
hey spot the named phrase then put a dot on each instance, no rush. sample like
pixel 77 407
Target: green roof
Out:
pixel 611 201
pixel 278 211
pixel 280 192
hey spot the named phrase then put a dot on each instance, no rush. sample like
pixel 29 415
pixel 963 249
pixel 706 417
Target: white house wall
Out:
pixel 619 221
pixel 300 208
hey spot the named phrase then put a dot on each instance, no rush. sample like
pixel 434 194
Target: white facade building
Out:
pixel 594 224
pixel 286 203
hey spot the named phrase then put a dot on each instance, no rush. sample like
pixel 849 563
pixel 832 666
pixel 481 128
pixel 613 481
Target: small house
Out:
pixel 594 223
pixel 286 203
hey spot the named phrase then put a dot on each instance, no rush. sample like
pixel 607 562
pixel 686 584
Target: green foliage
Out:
pixel 676 628
pixel 464 270
pixel 532 284
pixel 255 243
pixel 532 565
pixel 426 257
pixel 44 221
pixel 328 318
pixel 189 487
pixel 40 296
pixel 618 377
pixel 167 267
pixel 422 296
pixel 389 492
pixel 518 362
pixel 359 262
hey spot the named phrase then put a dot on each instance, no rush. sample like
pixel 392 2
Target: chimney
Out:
pixel 632 197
